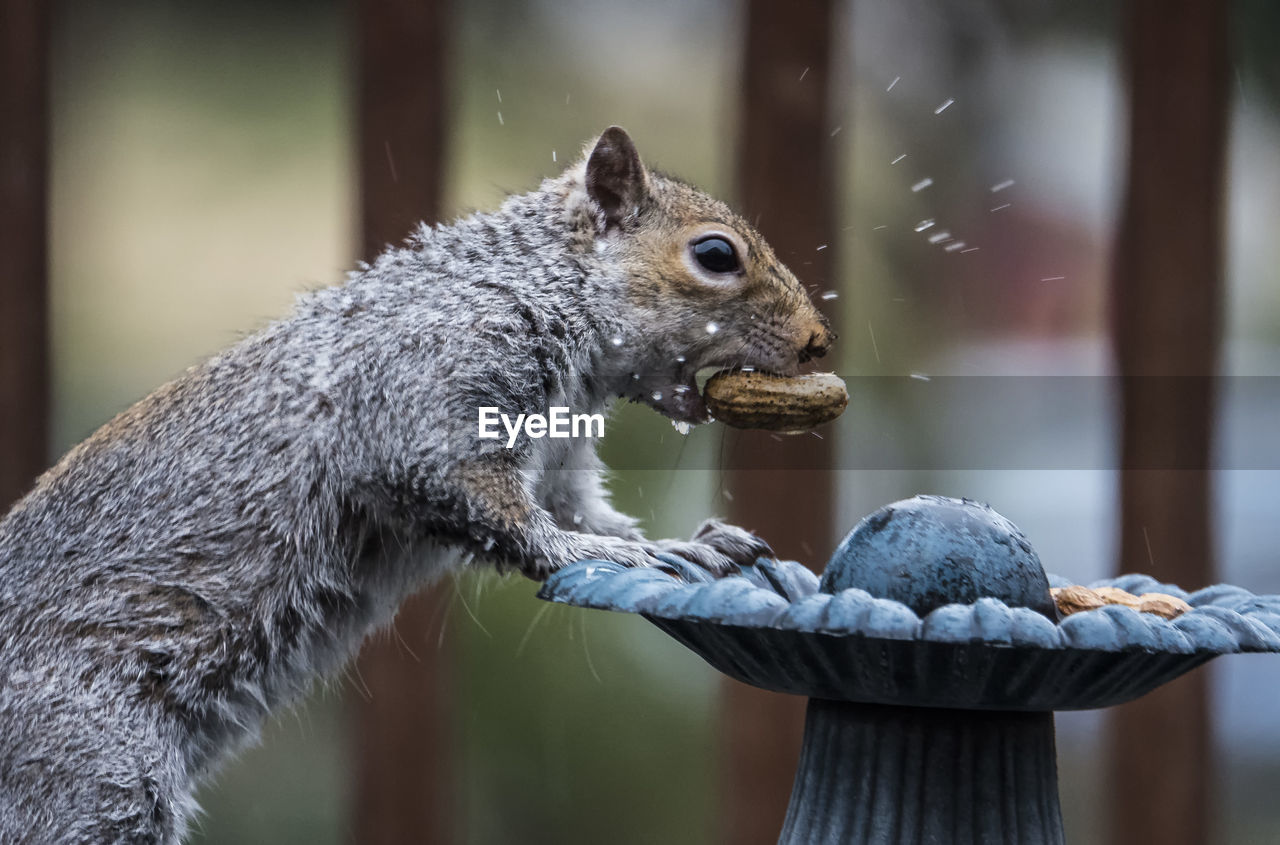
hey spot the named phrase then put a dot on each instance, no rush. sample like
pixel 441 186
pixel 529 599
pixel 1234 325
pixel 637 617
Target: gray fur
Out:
pixel 203 557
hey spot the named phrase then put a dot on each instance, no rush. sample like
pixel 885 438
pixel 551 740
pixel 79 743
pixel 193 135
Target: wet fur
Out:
pixel 202 558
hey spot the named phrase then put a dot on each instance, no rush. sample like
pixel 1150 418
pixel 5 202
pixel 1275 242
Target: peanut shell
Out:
pixel 1162 604
pixel 775 403
pixel 1076 599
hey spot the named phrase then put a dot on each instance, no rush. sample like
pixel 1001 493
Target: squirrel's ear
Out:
pixel 616 178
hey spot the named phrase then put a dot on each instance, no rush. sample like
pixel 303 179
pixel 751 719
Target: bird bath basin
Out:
pixel 933 657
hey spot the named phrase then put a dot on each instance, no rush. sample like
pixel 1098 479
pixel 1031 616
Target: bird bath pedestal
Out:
pixel 933 657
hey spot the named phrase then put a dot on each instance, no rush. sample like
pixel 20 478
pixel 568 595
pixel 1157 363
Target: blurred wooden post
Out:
pixel 1166 325
pixel 781 490
pixel 24 157
pixel 404 757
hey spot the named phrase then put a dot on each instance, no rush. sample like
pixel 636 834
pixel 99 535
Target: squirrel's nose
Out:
pixel 819 343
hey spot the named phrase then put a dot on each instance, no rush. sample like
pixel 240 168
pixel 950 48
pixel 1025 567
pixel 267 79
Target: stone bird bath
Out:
pixel 933 657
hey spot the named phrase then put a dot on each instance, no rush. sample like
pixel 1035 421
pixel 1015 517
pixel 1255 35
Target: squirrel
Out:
pixel 204 556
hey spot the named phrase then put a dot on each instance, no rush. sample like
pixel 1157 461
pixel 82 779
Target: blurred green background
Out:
pixel 203 175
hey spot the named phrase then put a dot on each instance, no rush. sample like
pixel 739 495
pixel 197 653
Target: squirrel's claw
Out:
pixel 699 554
pixel 719 548
pixel 738 544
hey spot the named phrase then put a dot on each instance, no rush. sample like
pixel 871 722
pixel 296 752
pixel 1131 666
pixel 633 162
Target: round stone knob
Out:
pixel 930 551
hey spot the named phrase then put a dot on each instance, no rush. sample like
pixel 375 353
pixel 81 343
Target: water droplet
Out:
pixel 829 295
pixel 921 185
pixel 498 91
pixel 821 247
pixel 970 249
pixel 836 131
pixel 500 121
pixel 919 376
pixel 682 427
pixel 682 388
pixel 657 396
pixel 680 358
pixel 893 83
pixel 1000 186
pixel 712 328
pixel 1002 207
pixel 616 340
pixel 553 155
pixel 1053 278
pixel 577 519
pixel 939 237
pixel 958 245
pixel 898 159
pixel 803 74
pixel 924 224
pixel 946 104
pixel 748 369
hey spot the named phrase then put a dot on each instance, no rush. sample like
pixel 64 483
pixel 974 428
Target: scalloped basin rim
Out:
pixel 783 596
pixel 986 643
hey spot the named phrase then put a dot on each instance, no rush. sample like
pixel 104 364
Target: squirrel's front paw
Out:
pixel 719 548
pixel 633 553
pixel 738 544
pixel 699 554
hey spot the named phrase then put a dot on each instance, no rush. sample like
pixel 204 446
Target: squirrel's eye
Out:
pixel 716 254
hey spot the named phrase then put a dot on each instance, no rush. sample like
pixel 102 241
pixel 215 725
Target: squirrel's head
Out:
pixel 705 289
